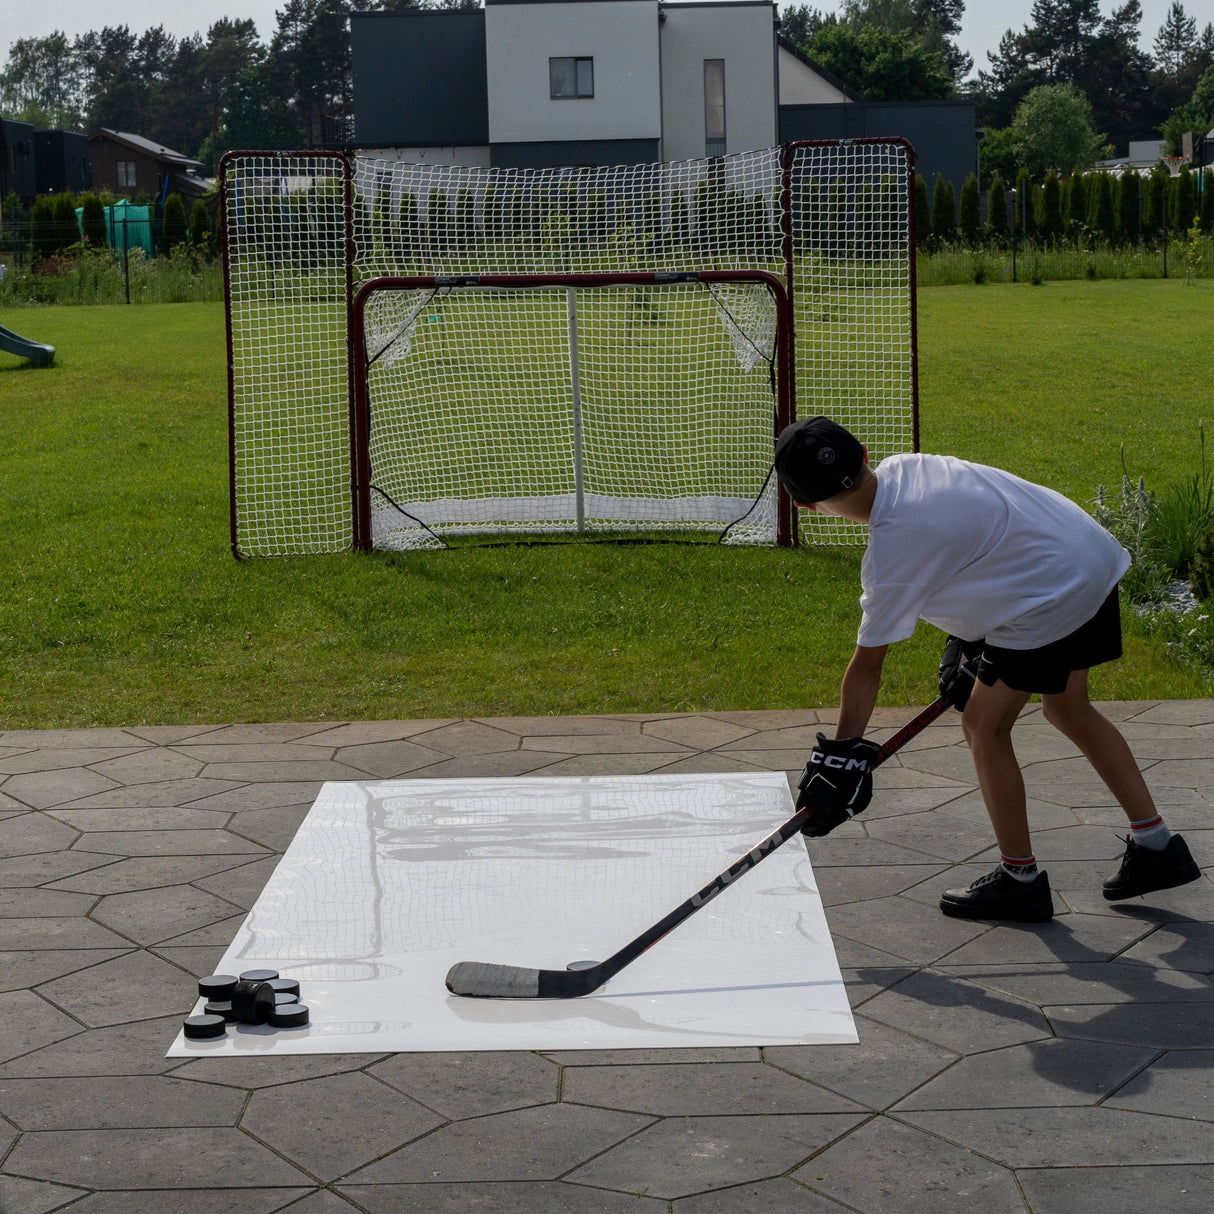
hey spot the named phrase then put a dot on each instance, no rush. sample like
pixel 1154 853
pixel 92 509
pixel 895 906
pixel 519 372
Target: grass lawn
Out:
pixel 121 602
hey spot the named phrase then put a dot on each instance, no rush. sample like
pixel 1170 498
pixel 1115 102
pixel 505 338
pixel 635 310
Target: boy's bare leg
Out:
pixel 1102 744
pixel 987 724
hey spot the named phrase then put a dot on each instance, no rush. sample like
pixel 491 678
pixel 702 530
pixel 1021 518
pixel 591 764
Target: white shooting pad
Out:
pixel 387 884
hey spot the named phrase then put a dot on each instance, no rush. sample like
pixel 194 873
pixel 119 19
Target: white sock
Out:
pixel 1021 868
pixel 1151 833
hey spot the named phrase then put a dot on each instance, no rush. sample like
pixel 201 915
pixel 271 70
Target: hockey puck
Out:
pixel 582 965
pixel 282 998
pixel 252 1002
pixel 289 1016
pixel 289 985
pixel 217 986
pixel 220 1007
pixel 203 1028
pixel 259 975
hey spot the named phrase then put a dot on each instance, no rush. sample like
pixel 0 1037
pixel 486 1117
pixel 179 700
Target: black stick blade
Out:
pixel 484 980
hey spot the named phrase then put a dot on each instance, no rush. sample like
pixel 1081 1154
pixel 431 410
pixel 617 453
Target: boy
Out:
pixel 1023 581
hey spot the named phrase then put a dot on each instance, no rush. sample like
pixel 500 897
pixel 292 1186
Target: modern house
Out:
pixel 127 165
pixel 61 162
pixel 16 159
pixel 546 83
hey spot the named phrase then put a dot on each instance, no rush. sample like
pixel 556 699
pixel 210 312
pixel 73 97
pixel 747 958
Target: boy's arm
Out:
pixel 858 693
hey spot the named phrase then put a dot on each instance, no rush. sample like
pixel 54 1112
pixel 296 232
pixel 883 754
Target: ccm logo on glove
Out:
pixel 841 762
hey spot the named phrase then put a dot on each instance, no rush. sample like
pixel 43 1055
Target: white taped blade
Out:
pixel 483 980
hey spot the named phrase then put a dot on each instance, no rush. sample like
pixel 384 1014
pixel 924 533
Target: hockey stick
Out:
pixel 486 980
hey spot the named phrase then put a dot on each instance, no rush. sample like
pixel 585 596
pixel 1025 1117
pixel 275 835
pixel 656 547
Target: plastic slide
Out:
pixel 38 354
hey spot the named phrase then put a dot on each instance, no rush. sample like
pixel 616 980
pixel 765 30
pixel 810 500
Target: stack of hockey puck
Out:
pixel 254 997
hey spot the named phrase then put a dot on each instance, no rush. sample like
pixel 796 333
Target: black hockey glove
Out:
pixel 957 666
pixel 837 782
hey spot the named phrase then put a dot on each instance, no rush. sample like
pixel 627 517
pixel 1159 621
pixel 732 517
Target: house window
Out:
pixel 571 76
pixel 126 174
pixel 714 107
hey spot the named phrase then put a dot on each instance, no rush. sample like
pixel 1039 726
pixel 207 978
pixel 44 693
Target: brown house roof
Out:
pixel 137 143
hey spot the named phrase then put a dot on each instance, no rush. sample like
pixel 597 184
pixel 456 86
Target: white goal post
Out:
pixel 303 231
pixel 586 404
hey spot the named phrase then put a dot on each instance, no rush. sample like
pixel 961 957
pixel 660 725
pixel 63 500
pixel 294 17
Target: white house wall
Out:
pixel 621 37
pixel 801 85
pixel 742 35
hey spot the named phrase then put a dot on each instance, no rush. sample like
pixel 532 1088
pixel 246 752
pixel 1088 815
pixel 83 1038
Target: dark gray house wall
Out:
pixel 941 132
pixel 62 162
pixel 419 79
pixel 16 159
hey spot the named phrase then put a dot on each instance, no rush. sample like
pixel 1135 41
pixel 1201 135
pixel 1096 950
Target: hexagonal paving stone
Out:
pixel 883 1067
pixel 151 1159
pixel 684 1155
pixel 137 986
pixel 147 916
pixel 552 1197
pixel 333 1125
pixel 459 1085
pixel 530 1144
pixel 122 1049
pixel 888 1168
pixel 705 1089
pixel 119 1102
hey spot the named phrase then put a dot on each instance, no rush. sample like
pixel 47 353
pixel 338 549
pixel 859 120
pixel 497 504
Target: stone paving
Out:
pixel 1061 1069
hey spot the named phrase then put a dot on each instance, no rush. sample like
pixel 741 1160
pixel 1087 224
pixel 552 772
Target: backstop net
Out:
pixel 304 231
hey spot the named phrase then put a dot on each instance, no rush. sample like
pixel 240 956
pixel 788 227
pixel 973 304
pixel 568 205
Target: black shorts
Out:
pixel 1045 671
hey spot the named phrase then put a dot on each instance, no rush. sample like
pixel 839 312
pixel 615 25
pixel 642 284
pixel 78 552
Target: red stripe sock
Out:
pixel 1022 868
pixel 1151 833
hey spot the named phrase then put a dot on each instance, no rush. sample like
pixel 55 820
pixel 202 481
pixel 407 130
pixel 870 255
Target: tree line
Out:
pixel 200 95
pixel 1080 209
pixel 1100 84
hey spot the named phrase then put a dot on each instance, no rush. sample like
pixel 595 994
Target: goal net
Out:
pixel 587 404
pixel 304 231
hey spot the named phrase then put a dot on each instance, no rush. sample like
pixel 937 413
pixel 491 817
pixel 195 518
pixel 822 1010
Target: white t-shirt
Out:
pixel 979 552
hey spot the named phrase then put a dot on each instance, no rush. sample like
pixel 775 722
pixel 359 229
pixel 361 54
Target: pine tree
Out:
pixel 1129 201
pixel 92 221
pixel 997 224
pixel 923 214
pixel 173 231
pixel 1175 42
pixel 66 224
pixel 1155 190
pixel 944 212
pixel 200 226
pixel 1076 205
pixel 1102 219
pixel 971 212
pixel 1184 201
pixel 1050 222
pixel 1025 214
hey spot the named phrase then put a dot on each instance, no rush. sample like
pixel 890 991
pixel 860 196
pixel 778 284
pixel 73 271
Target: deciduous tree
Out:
pixel 1054 130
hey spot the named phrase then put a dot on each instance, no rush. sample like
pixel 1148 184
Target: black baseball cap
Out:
pixel 816 459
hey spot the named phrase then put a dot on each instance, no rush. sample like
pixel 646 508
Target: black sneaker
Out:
pixel 1000 896
pixel 1142 870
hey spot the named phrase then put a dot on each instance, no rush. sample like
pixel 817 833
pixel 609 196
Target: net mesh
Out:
pixel 618 408
pixel 846 206
pixel 853 303
pixel 287 301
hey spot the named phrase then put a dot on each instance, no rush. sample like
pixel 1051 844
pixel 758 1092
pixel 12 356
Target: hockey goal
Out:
pixel 598 405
